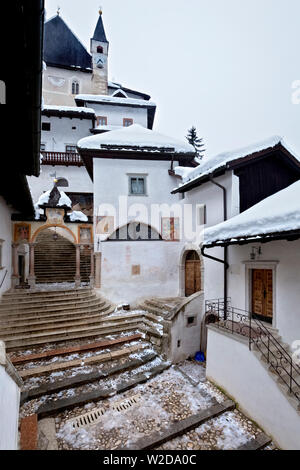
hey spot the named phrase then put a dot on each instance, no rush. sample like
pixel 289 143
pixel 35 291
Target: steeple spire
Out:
pixel 99 33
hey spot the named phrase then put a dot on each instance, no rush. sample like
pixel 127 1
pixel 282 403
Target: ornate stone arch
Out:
pixel 46 226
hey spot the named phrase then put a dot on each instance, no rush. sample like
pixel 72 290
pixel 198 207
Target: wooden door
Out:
pixel 262 294
pixel 192 274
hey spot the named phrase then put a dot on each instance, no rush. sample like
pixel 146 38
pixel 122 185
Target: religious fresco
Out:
pixel 170 228
pixel 85 234
pixel 22 233
pixel 55 216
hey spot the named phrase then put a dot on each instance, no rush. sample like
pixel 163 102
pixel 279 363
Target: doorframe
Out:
pixel 249 267
pixel 189 247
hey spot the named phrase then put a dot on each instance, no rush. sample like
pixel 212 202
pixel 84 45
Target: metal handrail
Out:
pixel 241 322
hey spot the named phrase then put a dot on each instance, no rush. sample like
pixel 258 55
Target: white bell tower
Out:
pixel 99 51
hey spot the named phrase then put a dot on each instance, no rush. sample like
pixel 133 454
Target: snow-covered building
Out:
pixel 79 101
pixel 227 185
pixel 136 236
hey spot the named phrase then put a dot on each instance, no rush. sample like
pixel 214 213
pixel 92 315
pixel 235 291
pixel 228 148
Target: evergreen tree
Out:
pixel 196 142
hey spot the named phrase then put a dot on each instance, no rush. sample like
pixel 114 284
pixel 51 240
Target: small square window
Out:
pixel 43 147
pixel 127 122
pixel 137 185
pixel 70 148
pixel 46 126
pixel 101 121
pixel 190 321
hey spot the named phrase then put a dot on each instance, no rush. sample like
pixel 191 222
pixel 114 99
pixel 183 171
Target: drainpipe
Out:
pixel 225 260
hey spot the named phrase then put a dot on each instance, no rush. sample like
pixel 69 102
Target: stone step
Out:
pixel 62 309
pixel 97 359
pixel 22 341
pixel 79 348
pixel 55 406
pixel 50 324
pixel 53 304
pixel 55 328
pixel 12 319
pixel 154 310
pixel 180 428
pixel 46 294
pixel 102 330
pixel 82 379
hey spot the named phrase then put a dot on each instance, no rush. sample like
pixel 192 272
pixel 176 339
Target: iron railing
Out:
pixel 242 322
pixel 61 158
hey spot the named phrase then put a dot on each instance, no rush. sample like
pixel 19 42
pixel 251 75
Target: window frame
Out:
pixel 75 83
pixel 101 117
pixel 70 145
pixel 127 119
pixel 138 176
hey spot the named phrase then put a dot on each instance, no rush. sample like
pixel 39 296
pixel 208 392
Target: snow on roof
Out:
pixel 78 216
pixel 63 201
pixel 182 171
pixel 73 109
pixel 210 164
pixel 135 136
pixel 277 213
pixel 113 99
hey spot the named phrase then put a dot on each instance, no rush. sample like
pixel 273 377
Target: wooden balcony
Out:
pixel 61 158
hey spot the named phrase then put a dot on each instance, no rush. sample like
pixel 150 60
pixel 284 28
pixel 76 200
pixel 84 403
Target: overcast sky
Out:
pixel 225 66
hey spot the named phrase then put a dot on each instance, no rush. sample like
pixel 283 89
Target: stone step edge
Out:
pixel 39 318
pixel 179 428
pixel 22 344
pixel 74 349
pixel 49 293
pixel 260 442
pixel 75 316
pixel 55 407
pixel 81 362
pixel 83 379
pixel 30 303
pixel 35 310
pixel 103 324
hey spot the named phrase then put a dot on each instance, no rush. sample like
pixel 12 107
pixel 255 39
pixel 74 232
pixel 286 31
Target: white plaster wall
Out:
pixel 62 95
pixel 111 181
pixel 188 335
pixel 6 236
pixel 62 134
pixel 9 411
pixel 212 196
pixel 115 114
pixel 286 282
pixel 237 370
pixel 159 270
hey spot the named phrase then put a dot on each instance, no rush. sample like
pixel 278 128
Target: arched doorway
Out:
pixel 54 258
pixel 192 273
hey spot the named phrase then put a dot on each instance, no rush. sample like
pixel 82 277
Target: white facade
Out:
pixel 243 376
pixel 9 403
pixel 116 114
pixel 159 261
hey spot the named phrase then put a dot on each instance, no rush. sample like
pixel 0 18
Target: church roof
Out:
pixel 99 33
pixel 62 48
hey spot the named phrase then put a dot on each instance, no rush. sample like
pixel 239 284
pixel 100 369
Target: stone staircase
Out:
pixel 35 318
pixel 161 307
pixel 55 260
